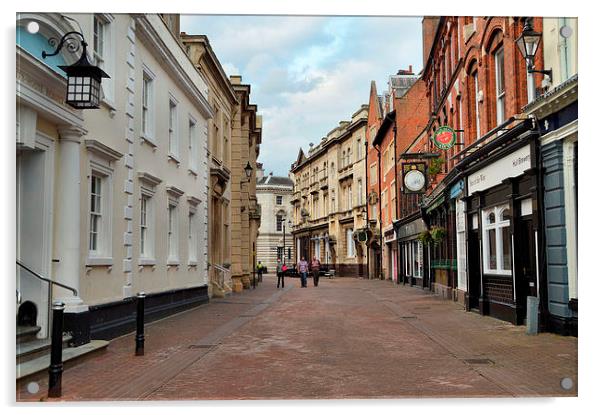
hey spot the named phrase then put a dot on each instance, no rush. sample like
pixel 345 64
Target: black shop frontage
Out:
pixel 503 236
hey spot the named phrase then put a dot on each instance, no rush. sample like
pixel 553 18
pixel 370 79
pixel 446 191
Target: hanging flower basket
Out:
pixel 425 237
pixel 438 234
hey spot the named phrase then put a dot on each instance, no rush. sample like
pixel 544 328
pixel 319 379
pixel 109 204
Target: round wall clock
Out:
pixel 414 180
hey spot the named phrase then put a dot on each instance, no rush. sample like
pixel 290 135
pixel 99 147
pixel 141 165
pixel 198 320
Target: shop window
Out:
pixel 417 258
pixel 497 242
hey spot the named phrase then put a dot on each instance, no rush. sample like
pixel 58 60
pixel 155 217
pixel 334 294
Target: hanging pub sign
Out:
pixel 414 177
pixel 444 137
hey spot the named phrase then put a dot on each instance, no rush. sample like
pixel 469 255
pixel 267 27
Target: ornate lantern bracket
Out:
pixel 83 78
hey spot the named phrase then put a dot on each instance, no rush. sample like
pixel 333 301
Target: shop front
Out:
pixel 501 231
pixel 411 251
pixel 390 254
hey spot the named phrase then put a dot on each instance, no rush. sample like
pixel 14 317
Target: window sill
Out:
pixel 192 264
pixel 172 157
pixel 147 262
pixel 193 172
pixel 173 262
pixel 148 140
pixel 99 262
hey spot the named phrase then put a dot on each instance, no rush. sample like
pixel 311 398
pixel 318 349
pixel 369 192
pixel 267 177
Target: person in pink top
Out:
pixel 315 269
pixel 303 269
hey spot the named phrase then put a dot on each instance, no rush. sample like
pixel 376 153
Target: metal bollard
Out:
pixel 140 324
pixel 55 371
pixel 532 314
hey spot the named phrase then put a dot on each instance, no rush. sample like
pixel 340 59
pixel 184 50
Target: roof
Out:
pixel 274 181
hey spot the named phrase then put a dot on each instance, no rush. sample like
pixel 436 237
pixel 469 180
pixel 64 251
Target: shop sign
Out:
pixel 456 189
pixel 512 165
pixel 389 235
pixel 410 229
pixel 444 137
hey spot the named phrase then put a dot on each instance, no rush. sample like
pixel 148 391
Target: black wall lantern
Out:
pixel 83 78
pixel 248 171
pixel 528 43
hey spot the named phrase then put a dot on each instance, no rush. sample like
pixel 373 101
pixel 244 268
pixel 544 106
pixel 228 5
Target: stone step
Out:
pixel 27 333
pixel 35 348
pixel 70 354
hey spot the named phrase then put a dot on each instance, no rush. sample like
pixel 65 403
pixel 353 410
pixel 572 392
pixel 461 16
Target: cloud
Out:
pixel 308 73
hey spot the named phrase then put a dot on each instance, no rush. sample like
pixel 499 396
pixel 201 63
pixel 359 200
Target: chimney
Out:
pixel 406 71
pixel 429 28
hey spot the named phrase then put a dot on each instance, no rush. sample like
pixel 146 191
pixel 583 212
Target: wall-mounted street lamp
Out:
pixel 83 78
pixel 248 171
pixel 527 44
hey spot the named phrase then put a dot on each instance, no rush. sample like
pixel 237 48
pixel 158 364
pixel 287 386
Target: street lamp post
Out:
pixel 528 43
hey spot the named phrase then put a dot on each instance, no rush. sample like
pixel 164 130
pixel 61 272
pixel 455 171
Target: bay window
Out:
pixel 497 244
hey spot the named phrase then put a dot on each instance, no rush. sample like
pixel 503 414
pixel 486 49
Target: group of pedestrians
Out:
pixel 303 268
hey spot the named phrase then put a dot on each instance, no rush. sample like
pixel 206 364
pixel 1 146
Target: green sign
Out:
pixel 444 137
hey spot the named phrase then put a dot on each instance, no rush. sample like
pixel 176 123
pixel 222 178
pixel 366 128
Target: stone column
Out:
pixel 67 244
pixel 67 248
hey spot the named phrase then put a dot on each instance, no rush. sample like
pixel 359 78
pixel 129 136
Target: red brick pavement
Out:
pixel 348 338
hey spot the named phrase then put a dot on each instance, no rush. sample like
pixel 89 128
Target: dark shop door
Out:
pixel 524 252
pixel 474 269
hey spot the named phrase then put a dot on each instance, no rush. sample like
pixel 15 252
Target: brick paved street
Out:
pixel 348 338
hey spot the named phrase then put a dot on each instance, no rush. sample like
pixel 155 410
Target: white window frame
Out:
pixel 500 86
pixel 475 78
pixel 499 250
pixel 393 201
pixel 193 145
pixel 360 190
pixel 147 256
pixel 279 222
pixel 373 174
pixel 147 108
pixel 417 258
pixel 105 59
pixel 172 233
pixel 350 243
pixel 173 130
pixel 385 205
pixel 102 255
pixel 350 196
pixel 193 236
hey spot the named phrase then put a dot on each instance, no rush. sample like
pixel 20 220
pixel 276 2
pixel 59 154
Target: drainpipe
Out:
pixel 367 208
pixel 380 222
pixel 397 200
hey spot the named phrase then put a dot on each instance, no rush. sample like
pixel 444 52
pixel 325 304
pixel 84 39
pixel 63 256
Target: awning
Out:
pixel 438 202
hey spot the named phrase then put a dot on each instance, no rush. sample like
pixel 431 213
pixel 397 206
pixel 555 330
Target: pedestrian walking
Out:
pixel 260 270
pixel 303 269
pixel 280 268
pixel 315 269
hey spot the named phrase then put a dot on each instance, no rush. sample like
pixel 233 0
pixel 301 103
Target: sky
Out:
pixel 307 73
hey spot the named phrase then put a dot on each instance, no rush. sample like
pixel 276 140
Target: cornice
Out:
pixel 102 150
pixel 156 45
pixel 148 178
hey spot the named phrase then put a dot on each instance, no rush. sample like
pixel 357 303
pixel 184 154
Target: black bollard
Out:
pixel 140 324
pixel 55 371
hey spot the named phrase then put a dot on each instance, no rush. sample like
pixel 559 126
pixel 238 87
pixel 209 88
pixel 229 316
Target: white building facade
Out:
pixel 110 201
pixel 275 239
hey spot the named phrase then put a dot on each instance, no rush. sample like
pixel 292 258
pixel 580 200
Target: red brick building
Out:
pixel 476 84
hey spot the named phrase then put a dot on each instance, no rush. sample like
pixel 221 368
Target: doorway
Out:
pixel 525 267
pixel 474 269
pixel 34 178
